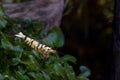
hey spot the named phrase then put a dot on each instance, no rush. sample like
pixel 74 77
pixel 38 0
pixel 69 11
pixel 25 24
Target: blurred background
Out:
pixel 87 27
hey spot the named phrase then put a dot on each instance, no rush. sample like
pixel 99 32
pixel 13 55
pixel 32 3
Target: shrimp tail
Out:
pixel 20 35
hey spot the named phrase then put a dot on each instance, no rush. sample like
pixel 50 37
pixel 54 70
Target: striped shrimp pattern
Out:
pixel 41 48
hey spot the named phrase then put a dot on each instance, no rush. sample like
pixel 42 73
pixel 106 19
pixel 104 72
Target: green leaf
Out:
pixel 32 64
pixel 85 72
pixel 27 20
pixel 6 44
pixel 82 78
pixel 20 76
pixel 36 75
pixel 4 19
pixel 15 61
pixel 46 76
pixel 1 11
pixel 36 54
pixel 2 77
pixel 69 72
pixel 55 38
pixel 57 68
pixel 32 74
pixel 68 58
pixel 12 78
pixel 3 23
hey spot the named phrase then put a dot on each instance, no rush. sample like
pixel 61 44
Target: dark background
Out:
pixel 87 26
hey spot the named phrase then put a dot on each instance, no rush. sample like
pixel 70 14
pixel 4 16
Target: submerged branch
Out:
pixel 47 11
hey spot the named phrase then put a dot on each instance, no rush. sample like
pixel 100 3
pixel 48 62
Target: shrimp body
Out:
pixel 41 48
